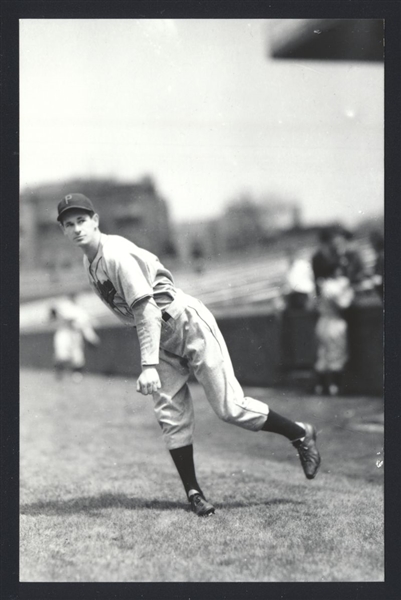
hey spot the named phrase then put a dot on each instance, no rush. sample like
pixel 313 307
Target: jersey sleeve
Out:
pixel 148 323
pixel 132 279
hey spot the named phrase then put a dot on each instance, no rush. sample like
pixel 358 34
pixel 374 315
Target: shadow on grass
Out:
pixel 91 504
pixel 247 504
pixel 86 504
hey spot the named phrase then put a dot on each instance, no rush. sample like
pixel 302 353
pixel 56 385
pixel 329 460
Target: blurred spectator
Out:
pixel 337 254
pixel 351 264
pixel 299 287
pixel 377 242
pixel 73 329
pixel 325 260
pixel 336 267
pixel 198 256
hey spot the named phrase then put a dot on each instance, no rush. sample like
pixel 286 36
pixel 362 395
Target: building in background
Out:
pixel 252 223
pixel 246 224
pixel 198 237
pixel 133 210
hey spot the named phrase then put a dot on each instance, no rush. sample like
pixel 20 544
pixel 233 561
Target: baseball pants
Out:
pixel 332 351
pixel 68 347
pixel 191 342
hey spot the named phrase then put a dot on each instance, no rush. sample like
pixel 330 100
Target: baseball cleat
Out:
pixel 200 506
pixel 308 452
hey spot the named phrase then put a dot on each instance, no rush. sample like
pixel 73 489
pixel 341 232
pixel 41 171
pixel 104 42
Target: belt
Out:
pixel 177 306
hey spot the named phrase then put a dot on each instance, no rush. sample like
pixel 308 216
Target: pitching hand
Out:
pixel 148 381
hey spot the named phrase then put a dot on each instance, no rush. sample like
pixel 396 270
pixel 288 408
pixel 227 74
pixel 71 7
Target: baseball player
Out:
pixel 72 330
pixel 336 295
pixel 338 272
pixel 177 336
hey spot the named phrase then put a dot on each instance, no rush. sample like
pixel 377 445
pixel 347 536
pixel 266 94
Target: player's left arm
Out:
pixel 90 335
pixel 85 326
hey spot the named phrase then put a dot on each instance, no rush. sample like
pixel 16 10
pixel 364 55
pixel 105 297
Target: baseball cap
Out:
pixel 74 201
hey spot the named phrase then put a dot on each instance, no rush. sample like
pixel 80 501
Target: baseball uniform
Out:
pixel 72 329
pixel 335 295
pixel 183 339
pixel 177 336
pixel 68 345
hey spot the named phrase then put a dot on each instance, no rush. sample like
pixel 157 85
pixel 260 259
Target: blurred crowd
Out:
pixel 331 282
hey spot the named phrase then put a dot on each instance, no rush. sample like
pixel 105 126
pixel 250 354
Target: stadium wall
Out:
pixel 265 349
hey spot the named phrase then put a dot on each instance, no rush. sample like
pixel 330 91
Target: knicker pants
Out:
pixel 332 351
pixel 192 342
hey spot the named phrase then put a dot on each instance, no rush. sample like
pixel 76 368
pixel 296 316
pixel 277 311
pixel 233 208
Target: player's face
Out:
pixel 80 227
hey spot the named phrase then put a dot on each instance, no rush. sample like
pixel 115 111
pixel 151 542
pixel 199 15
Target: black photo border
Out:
pixel 11 12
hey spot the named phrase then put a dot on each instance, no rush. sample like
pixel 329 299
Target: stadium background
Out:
pixel 234 262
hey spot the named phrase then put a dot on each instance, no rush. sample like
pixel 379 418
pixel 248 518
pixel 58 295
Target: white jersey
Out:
pixel 336 293
pixel 73 327
pixel 300 277
pixel 122 274
pixel 68 344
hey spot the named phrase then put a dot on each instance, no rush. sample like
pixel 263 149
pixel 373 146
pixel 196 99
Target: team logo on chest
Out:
pixel 107 291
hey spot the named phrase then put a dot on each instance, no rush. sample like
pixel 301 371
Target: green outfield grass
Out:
pixel 101 501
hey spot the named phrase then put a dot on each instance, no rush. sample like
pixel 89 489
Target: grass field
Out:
pixel 101 501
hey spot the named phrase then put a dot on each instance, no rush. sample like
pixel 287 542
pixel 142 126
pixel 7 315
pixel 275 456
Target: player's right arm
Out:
pixel 133 282
pixel 148 325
